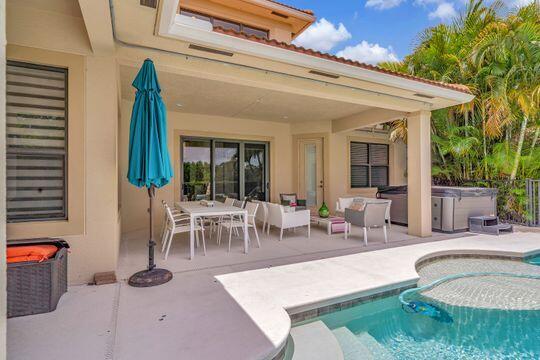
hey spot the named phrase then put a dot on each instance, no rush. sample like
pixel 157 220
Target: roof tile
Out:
pixel 311 52
pixel 309 12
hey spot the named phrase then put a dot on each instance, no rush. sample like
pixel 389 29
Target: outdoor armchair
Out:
pixel 287 220
pixel 287 199
pixel 373 215
pixel 344 202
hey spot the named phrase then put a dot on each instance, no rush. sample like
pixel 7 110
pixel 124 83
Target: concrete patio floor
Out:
pixel 191 317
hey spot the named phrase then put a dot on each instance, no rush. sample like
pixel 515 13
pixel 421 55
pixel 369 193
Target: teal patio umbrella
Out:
pixel 149 163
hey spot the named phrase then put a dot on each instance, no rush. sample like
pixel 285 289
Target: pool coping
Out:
pixel 277 297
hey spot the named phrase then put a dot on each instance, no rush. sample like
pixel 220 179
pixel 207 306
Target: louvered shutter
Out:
pixel 36 119
pixel 379 164
pixel 359 165
pixel 369 164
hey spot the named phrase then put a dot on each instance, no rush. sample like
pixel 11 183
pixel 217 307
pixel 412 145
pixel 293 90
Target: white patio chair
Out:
pixel 287 220
pixel 239 203
pixel 176 214
pixel 181 224
pixel 373 215
pixel 236 223
pixel 218 220
pixel 262 213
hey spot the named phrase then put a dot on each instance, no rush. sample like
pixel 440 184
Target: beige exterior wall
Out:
pixel 283 139
pixel 419 181
pixel 2 181
pixel 135 200
pixel 93 226
pixel 337 159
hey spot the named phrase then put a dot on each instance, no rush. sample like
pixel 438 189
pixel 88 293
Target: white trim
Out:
pixel 172 27
pixel 194 22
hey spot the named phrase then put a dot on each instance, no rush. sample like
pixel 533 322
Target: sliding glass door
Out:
pixel 226 170
pixel 255 171
pixel 218 168
pixel 196 169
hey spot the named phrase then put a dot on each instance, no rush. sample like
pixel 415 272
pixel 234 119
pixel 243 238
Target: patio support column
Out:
pixel 419 173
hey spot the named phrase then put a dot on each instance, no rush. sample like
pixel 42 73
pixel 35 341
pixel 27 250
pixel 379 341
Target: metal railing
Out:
pixel 533 201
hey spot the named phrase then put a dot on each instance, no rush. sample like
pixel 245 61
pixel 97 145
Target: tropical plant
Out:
pixel 496 54
pixel 493 140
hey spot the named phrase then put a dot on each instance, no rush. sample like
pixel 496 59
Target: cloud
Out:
pixel 519 3
pixel 428 2
pixel 445 11
pixel 383 4
pixel 322 36
pixel 368 53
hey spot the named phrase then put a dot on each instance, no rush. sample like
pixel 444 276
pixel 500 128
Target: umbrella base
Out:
pixel 148 278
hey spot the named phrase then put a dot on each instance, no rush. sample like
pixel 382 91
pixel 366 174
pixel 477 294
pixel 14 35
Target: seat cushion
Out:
pixel 345 203
pixel 289 198
pixel 357 204
pixel 30 253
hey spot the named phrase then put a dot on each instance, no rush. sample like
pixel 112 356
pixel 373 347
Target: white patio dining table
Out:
pixel 196 210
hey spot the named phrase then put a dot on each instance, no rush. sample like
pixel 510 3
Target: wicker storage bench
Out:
pixel 36 287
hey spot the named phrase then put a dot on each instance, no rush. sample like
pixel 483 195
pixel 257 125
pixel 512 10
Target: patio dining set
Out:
pixel 206 219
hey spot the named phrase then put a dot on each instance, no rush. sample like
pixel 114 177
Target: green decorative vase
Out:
pixel 323 211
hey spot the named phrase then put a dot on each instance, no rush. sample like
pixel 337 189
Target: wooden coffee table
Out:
pixel 317 220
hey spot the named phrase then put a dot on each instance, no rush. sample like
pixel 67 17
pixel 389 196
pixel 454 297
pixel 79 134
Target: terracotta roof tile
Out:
pixel 302 50
pixel 309 12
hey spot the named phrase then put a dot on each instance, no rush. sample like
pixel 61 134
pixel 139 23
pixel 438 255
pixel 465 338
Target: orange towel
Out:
pixel 30 253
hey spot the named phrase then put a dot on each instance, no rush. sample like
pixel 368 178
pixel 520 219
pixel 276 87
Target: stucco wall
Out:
pixel 135 201
pixel 283 158
pixel 2 181
pixel 336 161
pixel 58 38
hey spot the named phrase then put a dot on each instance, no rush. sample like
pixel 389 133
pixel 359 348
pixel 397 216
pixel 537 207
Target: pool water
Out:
pixel 389 332
pixel 534 260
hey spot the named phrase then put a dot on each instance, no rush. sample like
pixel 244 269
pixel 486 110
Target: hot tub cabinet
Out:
pixel 451 207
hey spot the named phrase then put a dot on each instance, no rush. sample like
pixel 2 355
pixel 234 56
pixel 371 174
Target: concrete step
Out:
pixel 315 341
pixel 360 346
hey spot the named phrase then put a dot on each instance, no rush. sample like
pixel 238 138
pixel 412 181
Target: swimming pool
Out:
pixel 381 329
pixel 534 260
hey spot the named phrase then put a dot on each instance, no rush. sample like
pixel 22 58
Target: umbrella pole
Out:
pixel 151 276
pixel 151 242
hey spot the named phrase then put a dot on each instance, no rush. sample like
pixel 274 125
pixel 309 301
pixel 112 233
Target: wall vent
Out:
pixel 280 15
pixel 424 96
pixel 210 50
pixel 320 73
pixel 149 3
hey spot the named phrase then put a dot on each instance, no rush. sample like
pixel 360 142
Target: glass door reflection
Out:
pixel 196 170
pixel 254 171
pixel 226 172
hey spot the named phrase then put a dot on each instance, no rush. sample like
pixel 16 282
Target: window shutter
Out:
pixel 359 176
pixel 36 142
pixel 378 154
pixel 359 153
pixel 379 176
pixel 369 165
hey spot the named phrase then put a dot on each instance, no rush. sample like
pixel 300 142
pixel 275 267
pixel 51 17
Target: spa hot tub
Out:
pixel 451 207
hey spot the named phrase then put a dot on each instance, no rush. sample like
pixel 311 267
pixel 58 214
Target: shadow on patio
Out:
pixel 294 248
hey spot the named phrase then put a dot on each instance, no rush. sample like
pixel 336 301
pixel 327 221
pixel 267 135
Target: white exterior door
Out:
pixel 310 176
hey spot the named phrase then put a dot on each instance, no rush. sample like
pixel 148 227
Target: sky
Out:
pixel 372 31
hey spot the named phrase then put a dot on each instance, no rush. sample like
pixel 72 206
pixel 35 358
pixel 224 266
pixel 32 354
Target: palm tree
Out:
pixel 509 54
pixel 497 58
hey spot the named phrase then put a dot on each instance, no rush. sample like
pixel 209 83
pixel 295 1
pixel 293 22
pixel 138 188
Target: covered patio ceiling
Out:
pixel 194 95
